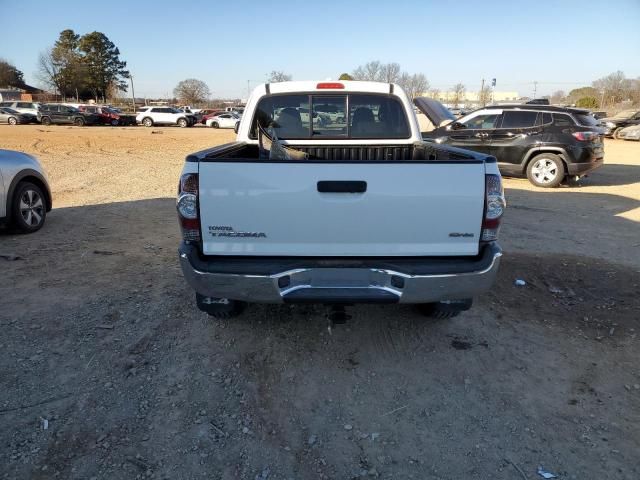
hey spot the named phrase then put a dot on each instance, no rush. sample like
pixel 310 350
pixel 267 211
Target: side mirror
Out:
pixel 457 126
pixel 236 127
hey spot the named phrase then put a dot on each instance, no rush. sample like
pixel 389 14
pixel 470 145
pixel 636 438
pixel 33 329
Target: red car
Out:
pixel 207 114
pixel 107 116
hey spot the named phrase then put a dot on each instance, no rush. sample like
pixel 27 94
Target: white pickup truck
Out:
pixel 364 212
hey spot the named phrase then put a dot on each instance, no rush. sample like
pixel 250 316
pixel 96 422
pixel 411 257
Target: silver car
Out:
pixel 630 133
pixel 13 117
pixel 25 196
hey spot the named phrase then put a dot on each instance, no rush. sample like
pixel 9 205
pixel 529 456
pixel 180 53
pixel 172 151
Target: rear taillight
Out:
pixel 187 205
pixel 586 136
pixel 494 205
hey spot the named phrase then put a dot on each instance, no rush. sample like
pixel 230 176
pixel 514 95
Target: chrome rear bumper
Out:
pixel 339 285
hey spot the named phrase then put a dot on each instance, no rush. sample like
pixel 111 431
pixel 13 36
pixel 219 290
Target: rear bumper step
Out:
pixel 342 285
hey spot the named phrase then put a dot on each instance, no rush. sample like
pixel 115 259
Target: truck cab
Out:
pixel 346 206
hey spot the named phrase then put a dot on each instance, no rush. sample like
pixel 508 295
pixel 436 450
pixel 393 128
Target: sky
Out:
pixel 561 44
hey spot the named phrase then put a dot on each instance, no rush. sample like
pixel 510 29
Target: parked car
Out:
pixel 223 120
pixel 626 118
pixel 150 116
pixel 31 108
pixel 107 116
pixel 544 143
pixel 630 133
pixel 196 115
pixel 25 196
pixel 55 113
pixel 347 197
pixel 207 114
pixel 13 117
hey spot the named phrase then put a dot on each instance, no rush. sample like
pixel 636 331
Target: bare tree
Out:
pixel 558 97
pixel 458 94
pixel 434 93
pixel 278 76
pixel 370 71
pixel 49 72
pixel 414 85
pixel 614 87
pixel 389 72
pixel 192 91
pixel 484 95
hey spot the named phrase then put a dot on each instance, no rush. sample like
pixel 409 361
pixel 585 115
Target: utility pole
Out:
pixel 481 96
pixel 535 88
pixel 133 93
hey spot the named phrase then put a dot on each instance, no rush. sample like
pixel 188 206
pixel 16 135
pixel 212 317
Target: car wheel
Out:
pixel 215 125
pixel 147 122
pixel 114 122
pixel 220 307
pixel 182 122
pixel 29 209
pixel 45 121
pixel 616 133
pixel 13 121
pixel 546 170
pixel 79 122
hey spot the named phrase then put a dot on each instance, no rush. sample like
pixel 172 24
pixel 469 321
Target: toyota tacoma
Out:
pixel 354 209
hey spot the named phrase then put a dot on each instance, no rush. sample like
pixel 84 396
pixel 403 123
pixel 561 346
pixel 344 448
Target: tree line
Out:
pixel 83 66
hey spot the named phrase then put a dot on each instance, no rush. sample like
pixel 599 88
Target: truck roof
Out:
pixel 323 86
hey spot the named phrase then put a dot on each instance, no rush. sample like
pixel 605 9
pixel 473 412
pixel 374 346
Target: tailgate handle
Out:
pixel 342 186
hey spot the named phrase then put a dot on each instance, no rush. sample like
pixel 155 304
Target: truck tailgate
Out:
pixel 413 208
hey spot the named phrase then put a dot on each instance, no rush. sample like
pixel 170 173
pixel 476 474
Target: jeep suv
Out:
pixel 65 114
pixel 545 143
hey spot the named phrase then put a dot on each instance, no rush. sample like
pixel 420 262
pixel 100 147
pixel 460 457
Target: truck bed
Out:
pixel 420 151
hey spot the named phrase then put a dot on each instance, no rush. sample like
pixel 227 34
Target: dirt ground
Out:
pixel 102 339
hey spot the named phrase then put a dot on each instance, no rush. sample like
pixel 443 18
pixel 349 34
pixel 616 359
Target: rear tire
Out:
pixel 220 307
pixel 182 122
pixel 78 122
pixel 114 123
pixel 215 125
pixel 28 208
pixel 13 121
pixel 147 122
pixel 546 170
pixel 616 133
pixel 45 121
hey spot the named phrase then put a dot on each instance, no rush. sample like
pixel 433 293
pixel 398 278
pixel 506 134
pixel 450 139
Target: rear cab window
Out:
pixel 323 116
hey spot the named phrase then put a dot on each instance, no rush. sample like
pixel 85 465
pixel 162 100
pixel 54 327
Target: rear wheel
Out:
pixel 114 122
pixel 215 125
pixel 147 122
pixel 29 209
pixel 13 121
pixel 616 133
pixel 546 170
pixel 45 121
pixel 182 122
pixel 79 122
pixel 220 307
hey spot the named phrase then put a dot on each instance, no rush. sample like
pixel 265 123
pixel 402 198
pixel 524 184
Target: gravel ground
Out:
pixel 102 343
